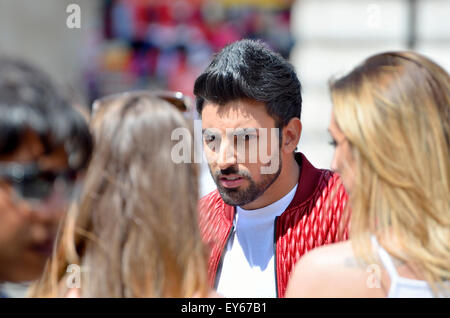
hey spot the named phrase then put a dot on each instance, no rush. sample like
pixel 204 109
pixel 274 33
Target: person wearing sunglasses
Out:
pixel 135 230
pixel 44 145
pixel 391 129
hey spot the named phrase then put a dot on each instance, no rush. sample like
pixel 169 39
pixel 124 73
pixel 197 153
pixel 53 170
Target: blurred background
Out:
pixel 161 44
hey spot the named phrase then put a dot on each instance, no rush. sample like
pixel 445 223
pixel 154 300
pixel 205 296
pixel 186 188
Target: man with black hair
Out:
pixel 44 145
pixel 271 205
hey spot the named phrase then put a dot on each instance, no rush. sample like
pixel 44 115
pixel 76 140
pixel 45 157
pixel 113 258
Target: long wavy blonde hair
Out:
pixel 394 109
pixel 134 232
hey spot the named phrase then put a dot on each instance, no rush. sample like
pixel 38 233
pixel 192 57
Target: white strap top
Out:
pixel 401 287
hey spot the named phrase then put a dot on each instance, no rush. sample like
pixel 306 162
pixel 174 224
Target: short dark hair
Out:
pixel 30 102
pixel 248 69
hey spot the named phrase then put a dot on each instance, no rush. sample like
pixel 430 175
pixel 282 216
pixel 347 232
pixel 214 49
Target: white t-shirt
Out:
pixel 248 268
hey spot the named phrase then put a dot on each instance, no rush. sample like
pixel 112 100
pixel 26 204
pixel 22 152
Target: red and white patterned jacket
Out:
pixel 311 220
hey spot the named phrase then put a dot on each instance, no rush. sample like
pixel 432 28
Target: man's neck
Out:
pixel 288 178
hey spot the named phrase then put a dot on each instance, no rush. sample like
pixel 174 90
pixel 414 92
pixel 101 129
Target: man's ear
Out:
pixel 291 135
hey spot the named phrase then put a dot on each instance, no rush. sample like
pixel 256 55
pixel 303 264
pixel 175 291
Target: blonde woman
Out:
pixel 390 126
pixel 134 232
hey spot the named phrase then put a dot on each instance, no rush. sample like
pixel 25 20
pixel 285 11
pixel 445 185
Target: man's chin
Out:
pixel 238 196
pixel 231 196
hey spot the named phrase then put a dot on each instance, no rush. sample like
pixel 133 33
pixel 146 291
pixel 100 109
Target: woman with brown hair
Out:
pixel 390 126
pixel 134 232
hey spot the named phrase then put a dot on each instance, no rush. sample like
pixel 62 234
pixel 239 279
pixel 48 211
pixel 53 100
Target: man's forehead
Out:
pixel 243 113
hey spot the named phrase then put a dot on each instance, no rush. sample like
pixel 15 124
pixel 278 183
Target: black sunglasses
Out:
pixel 32 183
pixel 178 99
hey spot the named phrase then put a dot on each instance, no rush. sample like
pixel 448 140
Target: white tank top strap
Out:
pixel 386 260
pixel 400 286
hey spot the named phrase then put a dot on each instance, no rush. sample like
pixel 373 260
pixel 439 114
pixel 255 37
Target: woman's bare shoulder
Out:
pixel 331 271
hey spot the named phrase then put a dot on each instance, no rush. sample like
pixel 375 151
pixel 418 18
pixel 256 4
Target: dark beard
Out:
pixel 237 197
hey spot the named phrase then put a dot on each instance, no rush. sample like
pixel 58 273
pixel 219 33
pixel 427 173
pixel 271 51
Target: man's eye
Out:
pixel 209 138
pixel 333 142
pixel 247 137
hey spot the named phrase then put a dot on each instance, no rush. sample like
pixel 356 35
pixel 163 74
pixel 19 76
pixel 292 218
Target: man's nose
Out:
pixel 52 209
pixel 227 155
pixel 49 214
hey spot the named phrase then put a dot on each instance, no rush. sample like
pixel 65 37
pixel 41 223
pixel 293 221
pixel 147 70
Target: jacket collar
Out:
pixel 307 182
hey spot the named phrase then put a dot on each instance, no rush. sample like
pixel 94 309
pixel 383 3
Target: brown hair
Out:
pixel 394 109
pixel 135 231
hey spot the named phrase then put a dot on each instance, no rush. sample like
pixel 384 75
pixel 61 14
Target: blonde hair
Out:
pixel 394 109
pixel 134 232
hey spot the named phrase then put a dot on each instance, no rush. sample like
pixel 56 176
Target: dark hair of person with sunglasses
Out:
pixel 44 144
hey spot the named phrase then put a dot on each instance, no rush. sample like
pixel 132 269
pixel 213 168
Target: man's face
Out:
pixel 242 148
pixel 28 229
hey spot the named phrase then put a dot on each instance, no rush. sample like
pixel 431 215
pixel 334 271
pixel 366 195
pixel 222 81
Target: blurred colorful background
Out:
pixel 162 44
